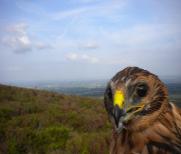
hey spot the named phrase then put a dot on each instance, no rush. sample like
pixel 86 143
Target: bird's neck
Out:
pixel 160 133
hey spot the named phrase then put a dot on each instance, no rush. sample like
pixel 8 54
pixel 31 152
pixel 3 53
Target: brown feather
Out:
pixel 156 129
pixel 163 136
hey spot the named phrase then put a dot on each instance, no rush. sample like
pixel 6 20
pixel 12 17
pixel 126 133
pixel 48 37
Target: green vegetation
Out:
pixel 40 122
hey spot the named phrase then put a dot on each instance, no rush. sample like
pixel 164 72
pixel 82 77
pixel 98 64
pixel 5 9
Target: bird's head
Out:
pixel 134 98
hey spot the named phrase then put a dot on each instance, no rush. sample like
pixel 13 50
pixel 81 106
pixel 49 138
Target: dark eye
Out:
pixel 142 90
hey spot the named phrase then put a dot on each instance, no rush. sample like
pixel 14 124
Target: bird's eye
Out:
pixel 141 90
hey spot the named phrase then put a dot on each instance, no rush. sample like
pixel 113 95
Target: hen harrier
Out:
pixel 144 120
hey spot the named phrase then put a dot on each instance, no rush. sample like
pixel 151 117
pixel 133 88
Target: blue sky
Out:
pixel 88 39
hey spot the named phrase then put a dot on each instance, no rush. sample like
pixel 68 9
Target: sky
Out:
pixel 57 40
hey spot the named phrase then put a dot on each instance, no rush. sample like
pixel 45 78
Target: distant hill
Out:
pixel 96 88
pixel 41 122
pixel 91 89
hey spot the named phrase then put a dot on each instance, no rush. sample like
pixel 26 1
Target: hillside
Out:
pixel 96 88
pixel 40 122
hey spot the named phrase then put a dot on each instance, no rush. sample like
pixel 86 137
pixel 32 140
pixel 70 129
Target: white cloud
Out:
pixel 82 58
pixel 72 56
pixel 19 28
pixel 89 45
pixel 18 39
pixel 42 45
pixel 89 58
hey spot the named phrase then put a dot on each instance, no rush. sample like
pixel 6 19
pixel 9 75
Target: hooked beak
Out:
pixel 121 113
pixel 118 113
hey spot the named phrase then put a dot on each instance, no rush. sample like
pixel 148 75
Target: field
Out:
pixel 40 122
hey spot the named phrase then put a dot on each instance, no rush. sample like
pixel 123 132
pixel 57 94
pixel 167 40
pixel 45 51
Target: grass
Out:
pixel 41 122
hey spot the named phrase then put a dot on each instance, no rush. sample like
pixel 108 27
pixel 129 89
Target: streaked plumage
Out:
pixel 144 121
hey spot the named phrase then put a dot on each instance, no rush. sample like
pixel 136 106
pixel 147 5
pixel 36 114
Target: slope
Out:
pixel 34 121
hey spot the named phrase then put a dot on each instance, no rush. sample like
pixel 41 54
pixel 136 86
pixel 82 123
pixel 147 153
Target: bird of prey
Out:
pixel 143 119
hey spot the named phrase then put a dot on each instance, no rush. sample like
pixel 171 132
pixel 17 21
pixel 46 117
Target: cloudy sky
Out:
pixel 44 40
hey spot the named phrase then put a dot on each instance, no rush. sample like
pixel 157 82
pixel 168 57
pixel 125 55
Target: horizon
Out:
pixel 88 39
pixel 60 83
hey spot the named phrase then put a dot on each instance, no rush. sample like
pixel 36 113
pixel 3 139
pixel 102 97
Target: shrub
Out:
pixel 39 122
pixel 88 143
pixel 50 138
pixel 5 114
